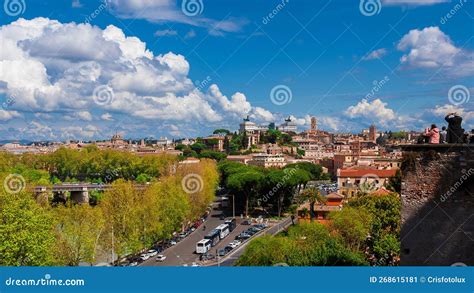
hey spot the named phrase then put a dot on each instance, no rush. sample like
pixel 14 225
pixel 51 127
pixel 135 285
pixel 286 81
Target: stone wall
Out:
pixel 437 205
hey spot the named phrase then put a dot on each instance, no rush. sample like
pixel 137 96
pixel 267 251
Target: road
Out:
pixel 183 252
pixel 233 256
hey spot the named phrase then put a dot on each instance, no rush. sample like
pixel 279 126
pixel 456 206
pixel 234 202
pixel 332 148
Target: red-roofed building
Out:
pixel 321 211
pixel 352 181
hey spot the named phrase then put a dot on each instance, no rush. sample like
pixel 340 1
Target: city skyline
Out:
pixel 164 69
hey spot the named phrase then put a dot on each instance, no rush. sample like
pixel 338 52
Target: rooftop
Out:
pixel 365 172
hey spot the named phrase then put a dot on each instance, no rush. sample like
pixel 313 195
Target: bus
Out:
pixel 223 230
pixel 232 223
pixel 224 202
pixel 214 237
pixel 203 246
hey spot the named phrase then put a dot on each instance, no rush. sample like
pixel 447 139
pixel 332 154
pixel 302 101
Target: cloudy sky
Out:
pixel 84 69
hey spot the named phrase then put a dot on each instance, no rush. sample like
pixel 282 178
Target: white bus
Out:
pixel 213 236
pixel 223 230
pixel 203 246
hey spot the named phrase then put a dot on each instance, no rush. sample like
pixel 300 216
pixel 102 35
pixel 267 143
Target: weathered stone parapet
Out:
pixel 437 205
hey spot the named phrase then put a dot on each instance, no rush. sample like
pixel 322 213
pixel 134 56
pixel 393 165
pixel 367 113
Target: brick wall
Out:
pixel 437 205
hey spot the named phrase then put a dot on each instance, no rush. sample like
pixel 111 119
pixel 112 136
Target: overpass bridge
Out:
pixel 79 191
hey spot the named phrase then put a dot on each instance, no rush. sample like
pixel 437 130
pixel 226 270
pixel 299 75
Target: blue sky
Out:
pixel 402 65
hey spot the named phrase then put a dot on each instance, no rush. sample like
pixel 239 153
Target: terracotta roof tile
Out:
pixel 364 172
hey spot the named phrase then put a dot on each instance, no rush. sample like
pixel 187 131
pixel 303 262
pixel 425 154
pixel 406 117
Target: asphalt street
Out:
pixel 183 253
pixel 233 256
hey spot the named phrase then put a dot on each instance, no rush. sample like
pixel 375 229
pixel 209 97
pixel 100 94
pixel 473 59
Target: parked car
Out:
pixel 133 264
pixel 261 226
pixel 160 257
pixel 228 248
pixel 243 236
pixel 207 256
pixel 152 252
pixel 158 248
pixel 250 232
pixel 221 252
pixel 173 242
pixel 144 256
pixel 246 222
pixel 254 229
pixel 235 243
pixel 195 265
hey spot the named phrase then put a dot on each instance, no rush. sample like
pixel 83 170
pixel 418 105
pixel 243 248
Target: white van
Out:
pixel 203 246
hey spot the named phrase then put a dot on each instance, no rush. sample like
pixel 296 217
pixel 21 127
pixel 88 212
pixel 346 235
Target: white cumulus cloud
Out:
pixel 7 115
pixel 372 111
pixel 54 68
pixel 431 48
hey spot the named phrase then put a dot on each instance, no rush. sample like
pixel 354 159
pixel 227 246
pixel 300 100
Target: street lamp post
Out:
pixel 233 206
pixel 113 246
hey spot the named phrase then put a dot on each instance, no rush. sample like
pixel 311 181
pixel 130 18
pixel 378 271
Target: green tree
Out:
pixel 313 196
pixel 266 251
pixel 26 232
pixel 303 245
pixel 282 185
pixel 221 131
pixel 244 186
pixel 353 225
pixel 79 228
pixel 218 156
pixel 170 206
pixel 119 207
pixel 385 212
pixel 315 170
pixel 198 147
pixel 180 147
pixel 143 178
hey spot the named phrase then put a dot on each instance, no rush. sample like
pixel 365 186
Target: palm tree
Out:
pixel 313 196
